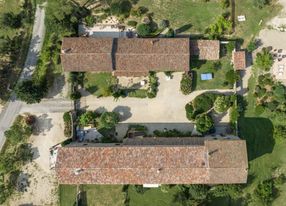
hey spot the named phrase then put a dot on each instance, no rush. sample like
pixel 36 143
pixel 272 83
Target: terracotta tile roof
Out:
pixel 87 54
pixel 205 49
pixel 125 55
pixel 217 161
pixel 239 60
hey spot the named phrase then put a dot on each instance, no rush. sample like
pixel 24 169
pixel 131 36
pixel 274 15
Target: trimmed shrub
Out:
pixel 186 83
pixel 120 8
pixel 170 33
pixel 204 102
pixel 144 29
pixel 132 23
pixel 221 104
pixel 204 123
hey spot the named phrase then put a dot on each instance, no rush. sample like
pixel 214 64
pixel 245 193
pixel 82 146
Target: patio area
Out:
pixel 279 65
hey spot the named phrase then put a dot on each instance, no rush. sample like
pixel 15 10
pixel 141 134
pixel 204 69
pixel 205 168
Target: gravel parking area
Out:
pixel 43 184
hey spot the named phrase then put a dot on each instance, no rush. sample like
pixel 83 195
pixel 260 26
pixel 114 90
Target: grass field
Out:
pixel 95 195
pixel 263 152
pixel 223 67
pixel 99 84
pixel 251 27
pixel 197 14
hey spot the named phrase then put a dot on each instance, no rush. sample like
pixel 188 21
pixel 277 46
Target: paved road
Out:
pixel 13 107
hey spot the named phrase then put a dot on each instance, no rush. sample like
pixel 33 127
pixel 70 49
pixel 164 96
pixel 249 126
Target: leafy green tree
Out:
pixel 251 46
pixel 260 3
pixel 231 77
pixel 87 118
pixel 89 20
pixel 204 102
pixel 233 191
pixel 132 23
pixel 24 153
pixel 279 92
pixel 11 20
pixel 18 132
pixel 221 104
pixel 186 83
pixel 30 92
pixel 265 191
pixel 204 123
pixel 120 7
pixel 198 192
pixel 280 132
pixel 223 25
pixel 108 120
pixel 224 3
pixel 264 60
pixel 144 29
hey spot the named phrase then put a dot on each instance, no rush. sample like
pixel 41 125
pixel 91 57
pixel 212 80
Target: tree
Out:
pixel 221 104
pixel 198 192
pixel 251 46
pixel 224 3
pixel 11 20
pixel 265 191
pixel 231 77
pixel 24 153
pixel 89 20
pixel 144 29
pixel 264 60
pixel 204 123
pixel 87 118
pixel 204 102
pixel 279 92
pixel 108 120
pixel 164 24
pixel 260 3
pixel 222 25
pixel 30 92
pixel 280 132
pixel 232 191
pixel 186 83
pixel 120 8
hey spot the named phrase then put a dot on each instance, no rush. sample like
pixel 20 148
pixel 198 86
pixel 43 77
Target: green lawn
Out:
pixel 95 195
pixel 263 152
pixel 99 84
pixel 251 27
pixel 196 15
pixel 200 67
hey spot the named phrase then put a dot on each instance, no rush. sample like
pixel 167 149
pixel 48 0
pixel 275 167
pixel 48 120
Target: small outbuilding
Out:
pixel 239 60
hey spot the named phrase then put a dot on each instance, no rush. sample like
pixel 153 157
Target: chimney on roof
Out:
pixel 159 170
pixel 212 152
pixel 64 51
pixel 77 171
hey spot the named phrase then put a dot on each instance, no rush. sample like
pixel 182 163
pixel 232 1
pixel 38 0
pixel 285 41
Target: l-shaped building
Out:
pixel 134 56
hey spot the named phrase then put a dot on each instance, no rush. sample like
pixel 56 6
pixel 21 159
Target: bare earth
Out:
pixel 43 185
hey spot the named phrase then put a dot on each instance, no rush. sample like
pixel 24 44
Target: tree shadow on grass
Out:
pixel 258 133
pixel 183 28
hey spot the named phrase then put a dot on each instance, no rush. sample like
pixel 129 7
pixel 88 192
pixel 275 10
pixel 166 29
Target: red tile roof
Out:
pixel 215 162
pixel 205 49
pixel 87 54
pixel 239 60
pixel 124 55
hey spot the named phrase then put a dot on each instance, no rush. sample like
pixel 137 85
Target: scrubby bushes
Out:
pixel 120 7
pixel 68 124
pixel 14 155
pixel 153 85
pixel 200 108
pixel 270 94
pixel 221 104
pixel 144 29
pixel 223 25
pixel 105 120
pixel 267 190
pixel 186 83
pixel 132 23
pixel 264 60
pixel 19 131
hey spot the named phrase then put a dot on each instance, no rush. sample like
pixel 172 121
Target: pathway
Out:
pixel 13 106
